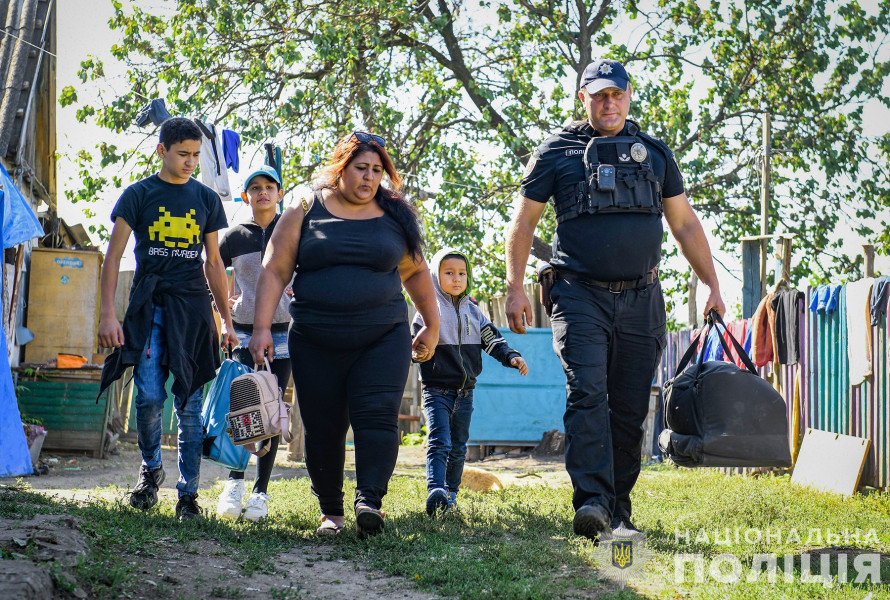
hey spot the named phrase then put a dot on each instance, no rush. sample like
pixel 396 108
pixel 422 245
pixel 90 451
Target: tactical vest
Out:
pixel 629 186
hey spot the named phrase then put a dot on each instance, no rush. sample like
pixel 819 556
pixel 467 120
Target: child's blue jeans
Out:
pixel 150 377
pixel 448 414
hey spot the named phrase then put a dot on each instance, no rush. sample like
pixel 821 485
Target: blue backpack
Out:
pixel 218 447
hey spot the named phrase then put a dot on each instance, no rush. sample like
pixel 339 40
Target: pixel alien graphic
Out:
pixel 175 232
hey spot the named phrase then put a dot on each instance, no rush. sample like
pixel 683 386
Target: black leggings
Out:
pixel 349 375
pixel 281 368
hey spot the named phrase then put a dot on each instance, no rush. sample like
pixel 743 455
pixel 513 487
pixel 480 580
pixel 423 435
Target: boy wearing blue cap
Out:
pixel 242 247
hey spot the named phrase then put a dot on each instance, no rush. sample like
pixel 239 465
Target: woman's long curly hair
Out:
pixel 390 200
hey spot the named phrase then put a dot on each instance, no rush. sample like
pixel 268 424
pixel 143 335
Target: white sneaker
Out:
pixel 231 498
pixel 257 506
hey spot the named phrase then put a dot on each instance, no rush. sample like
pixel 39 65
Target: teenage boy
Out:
pixel 168 327
pixel 242 247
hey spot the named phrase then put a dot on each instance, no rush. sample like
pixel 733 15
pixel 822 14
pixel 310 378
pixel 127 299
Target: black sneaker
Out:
pixel 187 508
pixel 591 520
pixel 436 502
pixel 145 494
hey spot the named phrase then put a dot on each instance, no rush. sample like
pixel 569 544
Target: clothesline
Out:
pixel 412 175
pixel 44 50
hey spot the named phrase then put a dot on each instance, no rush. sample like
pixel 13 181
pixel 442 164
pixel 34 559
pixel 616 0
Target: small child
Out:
pixel 449 377
pixel 242 247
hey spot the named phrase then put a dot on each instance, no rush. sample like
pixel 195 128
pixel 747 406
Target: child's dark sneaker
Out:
pixel 145 494
pixel 368 521
pixel 187 508
pixel 437 501
pixel 452 501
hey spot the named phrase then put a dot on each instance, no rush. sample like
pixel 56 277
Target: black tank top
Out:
pixel 347 270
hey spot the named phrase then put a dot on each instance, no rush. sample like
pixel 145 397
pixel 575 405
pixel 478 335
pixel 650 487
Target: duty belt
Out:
pixel 616 287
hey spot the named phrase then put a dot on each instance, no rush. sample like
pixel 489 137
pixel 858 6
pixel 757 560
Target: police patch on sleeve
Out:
pixel 530 165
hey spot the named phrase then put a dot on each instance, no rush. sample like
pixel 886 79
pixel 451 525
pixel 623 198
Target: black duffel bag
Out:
pixel 718 415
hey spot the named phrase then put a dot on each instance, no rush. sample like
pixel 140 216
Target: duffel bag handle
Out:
pixel 713 316
pixel 690 351
pixel 713 319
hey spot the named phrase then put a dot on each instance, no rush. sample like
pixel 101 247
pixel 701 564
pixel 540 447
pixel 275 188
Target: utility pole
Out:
pixel 868 251
pixel 764 201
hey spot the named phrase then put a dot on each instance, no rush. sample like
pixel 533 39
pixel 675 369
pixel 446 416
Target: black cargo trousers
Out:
pixel 610 345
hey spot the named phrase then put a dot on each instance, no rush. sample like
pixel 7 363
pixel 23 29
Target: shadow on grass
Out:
pixel 495 546
pixel 116 534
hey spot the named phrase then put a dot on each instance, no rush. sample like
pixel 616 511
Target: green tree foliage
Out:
pixel 463 91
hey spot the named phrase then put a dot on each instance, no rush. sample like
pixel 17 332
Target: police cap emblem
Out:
pixel 638 152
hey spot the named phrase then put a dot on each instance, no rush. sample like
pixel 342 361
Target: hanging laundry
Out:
pixel 879 292
pixel 761 334
pixel 273 157
pixel 859 329
pixel 713 350
pixel 213 165
pixel 825 298
pixel 154 112
pixel 231 144
pixel 748 337
pixel 785 305
pixel 738 329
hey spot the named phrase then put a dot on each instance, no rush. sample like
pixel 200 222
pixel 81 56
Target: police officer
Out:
pixel 610 184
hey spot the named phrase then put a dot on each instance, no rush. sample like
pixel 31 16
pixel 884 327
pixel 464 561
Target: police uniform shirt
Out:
pixel 614 246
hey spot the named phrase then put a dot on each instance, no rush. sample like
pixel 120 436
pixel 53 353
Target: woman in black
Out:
pixel 354 245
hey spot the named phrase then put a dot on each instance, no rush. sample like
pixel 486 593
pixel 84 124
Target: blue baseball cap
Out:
pixel 265 171
pixel 602 74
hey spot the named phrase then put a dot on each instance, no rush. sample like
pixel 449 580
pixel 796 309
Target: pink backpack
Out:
pixel 257 410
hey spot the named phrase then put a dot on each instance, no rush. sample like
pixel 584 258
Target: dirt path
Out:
pixel 76 477
pixel 302 572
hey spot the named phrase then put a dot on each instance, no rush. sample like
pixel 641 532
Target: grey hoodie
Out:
pixel 463 333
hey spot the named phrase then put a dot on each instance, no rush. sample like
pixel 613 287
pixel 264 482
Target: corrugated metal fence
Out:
pixel 824 399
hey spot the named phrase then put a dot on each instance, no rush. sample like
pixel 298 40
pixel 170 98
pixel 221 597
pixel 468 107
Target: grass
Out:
pixel 518 543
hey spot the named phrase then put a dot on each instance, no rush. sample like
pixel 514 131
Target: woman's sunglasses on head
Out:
pixel 364 136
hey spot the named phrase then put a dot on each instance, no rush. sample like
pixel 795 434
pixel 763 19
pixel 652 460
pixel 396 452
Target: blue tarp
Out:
pixel 17 224
pixel 15 458
pixel 20 224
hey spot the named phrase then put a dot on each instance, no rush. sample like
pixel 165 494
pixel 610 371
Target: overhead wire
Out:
pixel 44 50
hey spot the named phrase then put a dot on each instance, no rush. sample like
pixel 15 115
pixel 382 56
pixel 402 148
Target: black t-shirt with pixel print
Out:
pixel 169 221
